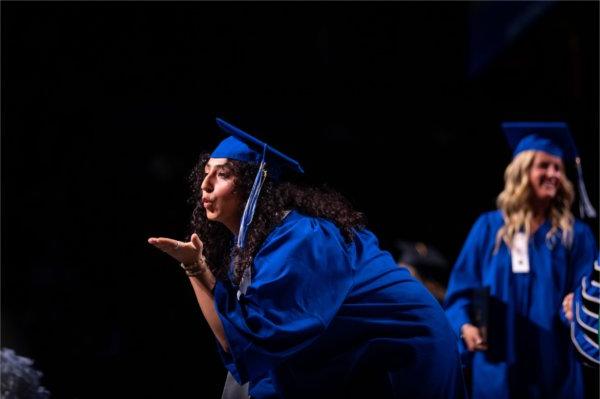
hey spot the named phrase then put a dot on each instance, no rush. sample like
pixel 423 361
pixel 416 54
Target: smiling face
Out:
pixel 545 176
pixel 219 199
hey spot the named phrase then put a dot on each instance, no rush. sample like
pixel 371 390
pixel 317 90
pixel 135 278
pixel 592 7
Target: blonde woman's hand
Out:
pixel 567 305
pixel 472 337
pixel 184 252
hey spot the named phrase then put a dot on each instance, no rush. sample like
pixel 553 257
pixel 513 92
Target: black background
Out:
pixel 106 106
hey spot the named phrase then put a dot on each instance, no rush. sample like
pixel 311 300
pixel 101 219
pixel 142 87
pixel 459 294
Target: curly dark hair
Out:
pixel 276 197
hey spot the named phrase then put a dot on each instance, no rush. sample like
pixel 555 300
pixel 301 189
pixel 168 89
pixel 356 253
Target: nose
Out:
pixel 554 171
pixel 206 186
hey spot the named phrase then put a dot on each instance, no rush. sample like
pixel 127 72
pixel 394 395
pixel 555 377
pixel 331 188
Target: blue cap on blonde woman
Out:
pixel 242 146
pixel 555 139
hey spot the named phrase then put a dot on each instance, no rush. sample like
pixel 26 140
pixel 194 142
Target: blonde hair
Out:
pixel 515 203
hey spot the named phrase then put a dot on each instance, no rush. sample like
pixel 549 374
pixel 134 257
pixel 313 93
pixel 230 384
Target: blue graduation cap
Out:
pixel 244 147
pixel 553 138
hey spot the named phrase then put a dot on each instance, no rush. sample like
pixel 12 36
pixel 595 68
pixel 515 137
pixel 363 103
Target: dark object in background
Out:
pixel 19 380
pixel 427 264
pixel 481 310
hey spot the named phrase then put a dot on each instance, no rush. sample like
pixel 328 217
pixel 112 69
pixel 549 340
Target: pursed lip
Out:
pixel 206 202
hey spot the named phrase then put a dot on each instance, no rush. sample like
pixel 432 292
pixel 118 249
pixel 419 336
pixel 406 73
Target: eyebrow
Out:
pixel 218 166
pixel 548 163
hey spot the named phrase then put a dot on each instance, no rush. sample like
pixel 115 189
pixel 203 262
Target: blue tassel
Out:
pixel 250 208
pixel 585 205
pixel 247 216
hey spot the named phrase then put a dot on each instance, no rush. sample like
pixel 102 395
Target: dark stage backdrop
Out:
pixel 105 108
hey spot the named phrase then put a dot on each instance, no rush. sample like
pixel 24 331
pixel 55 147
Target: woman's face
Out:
pixel 545 176
pixel 219 200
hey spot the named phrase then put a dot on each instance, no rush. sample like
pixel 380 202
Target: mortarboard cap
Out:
pixel 244 147
pixel 553 138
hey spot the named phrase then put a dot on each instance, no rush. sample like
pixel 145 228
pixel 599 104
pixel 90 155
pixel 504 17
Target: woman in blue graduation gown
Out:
pixel 531 253
pixel 297 292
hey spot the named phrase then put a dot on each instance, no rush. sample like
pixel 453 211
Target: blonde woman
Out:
pixel 529 254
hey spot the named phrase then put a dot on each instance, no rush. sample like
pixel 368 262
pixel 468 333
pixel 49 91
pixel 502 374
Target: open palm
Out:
pixel 184 252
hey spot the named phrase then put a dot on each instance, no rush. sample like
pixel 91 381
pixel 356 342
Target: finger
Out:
pixel 469 342
pixel 477 338
pixel 169 241
pixel 157 243
pixel 569 314
pixel 163 246
pixel 567 306
pixel 471 345
pixel 161 240
pixel 169 245
pixel 473 338
pixel 173 244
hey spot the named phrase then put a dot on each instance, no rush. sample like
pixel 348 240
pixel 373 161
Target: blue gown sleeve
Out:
pixel 301 275
pixel 466 275
pixel 582 254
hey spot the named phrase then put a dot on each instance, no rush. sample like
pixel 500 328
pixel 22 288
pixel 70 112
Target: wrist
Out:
pixel 194 269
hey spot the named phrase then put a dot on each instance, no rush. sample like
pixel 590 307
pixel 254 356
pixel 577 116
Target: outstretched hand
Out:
pixel 184 252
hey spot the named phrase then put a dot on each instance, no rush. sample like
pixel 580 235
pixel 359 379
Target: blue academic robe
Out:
pixel 325 318
pixel 530 354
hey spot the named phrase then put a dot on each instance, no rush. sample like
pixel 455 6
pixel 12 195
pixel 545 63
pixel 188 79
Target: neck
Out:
pixel 540 208
pixel 233 226
pixel 540 212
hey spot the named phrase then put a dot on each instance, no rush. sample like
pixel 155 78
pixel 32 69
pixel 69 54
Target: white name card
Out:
pixel 519 253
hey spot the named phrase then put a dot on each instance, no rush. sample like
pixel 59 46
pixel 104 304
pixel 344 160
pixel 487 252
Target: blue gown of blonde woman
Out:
pixel 326 318
pixel 530 354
